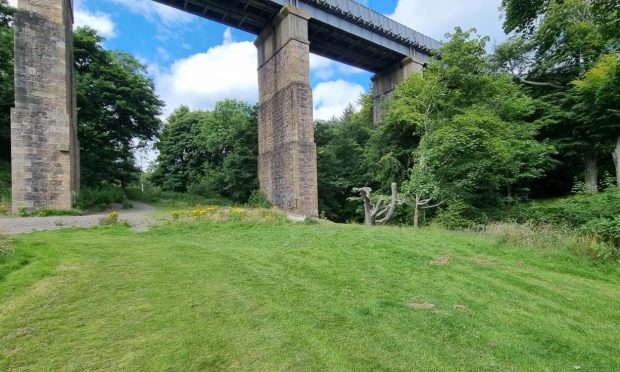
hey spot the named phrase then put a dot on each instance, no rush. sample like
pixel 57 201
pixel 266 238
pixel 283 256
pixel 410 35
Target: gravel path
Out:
pixel 139 217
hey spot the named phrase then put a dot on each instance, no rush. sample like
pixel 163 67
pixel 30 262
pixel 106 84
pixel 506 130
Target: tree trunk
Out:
pixel 416 213
pixel 591 170
pixel 616 156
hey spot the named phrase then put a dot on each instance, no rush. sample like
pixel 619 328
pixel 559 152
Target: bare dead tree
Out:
pixel 373 212
pixel 422 204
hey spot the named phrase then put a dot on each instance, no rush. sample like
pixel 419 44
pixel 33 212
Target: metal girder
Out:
pixel 343 30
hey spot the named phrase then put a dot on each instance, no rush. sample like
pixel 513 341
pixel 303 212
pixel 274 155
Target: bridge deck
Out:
pixel 342 30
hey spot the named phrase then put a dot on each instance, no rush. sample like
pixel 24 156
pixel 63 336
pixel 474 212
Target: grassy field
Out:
pixel 236 296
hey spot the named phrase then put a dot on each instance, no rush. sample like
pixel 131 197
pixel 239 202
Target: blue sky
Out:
pixel 197 62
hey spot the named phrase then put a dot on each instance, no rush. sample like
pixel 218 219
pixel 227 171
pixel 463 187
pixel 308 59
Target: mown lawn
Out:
pixel 226 296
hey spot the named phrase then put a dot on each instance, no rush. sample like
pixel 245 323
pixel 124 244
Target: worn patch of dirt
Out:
pixel 483 261
pixel 421 306
pixel 441 260
pixel 461 307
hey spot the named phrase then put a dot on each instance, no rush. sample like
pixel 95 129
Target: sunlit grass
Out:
pixel 203 295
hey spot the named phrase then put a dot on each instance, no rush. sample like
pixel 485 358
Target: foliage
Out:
pixel 219 295
pixel 172 199
pixel 118 110
pixel 100 198
pixel 468 132
pixel 49 212
pixel 556 43
pixel 573 211
pixel 606 234
pixel 5 181
pixel 341 161
pixel 6 79
pixel 259 200
pixel 214 213
pixel 110 219
pixel 210 153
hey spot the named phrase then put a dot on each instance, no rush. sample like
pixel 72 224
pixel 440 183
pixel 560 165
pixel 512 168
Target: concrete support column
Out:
pixel 384 83
pixel 44 148
pixel 287 151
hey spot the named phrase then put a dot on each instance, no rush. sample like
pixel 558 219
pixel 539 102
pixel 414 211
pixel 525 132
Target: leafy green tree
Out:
pixel 230 135
pixel 341 160
pixel 557 42
pixel 474 142
pixel 6 78
pixel 118 110
pixel 597 97
pixel 210 153
pixel 181 158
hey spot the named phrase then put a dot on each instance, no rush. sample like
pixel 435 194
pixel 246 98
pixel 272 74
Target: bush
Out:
pixel 48 212
pixel 5 181
pixel 572 211
pixel 453 216
pixel 174 199
pixel 259 200
pixel 100 198
pixel 110 219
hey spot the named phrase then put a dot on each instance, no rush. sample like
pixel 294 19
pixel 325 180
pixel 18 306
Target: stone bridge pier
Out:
pixel 44 147
pixel 287 152
pixel 384 83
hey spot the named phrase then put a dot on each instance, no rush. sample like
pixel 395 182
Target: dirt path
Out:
pixel 140 217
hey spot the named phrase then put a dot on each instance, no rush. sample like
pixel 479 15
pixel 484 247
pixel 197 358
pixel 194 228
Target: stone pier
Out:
pixel 287 151
pixel 384 83
pixel 44 147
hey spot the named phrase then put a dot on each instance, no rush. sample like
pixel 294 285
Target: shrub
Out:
pixel 174 199
pixel 49 212
pixel 100 198
pixel 605 236
pixel 5 181
pixel 576 210
pixel 259 200
pixel 110 219
pixel 454 216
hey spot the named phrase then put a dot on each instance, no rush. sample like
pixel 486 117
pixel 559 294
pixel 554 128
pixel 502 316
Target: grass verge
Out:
pixel 204 295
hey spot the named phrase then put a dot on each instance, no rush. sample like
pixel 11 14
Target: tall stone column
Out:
pixel 384 83
pixel 287 151
pixel 44 148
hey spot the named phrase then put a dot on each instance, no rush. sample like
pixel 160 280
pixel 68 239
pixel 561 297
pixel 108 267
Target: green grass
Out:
pixel 237 296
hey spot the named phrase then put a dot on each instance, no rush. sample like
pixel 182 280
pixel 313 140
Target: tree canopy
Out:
pixel 210 153
pixel 117 110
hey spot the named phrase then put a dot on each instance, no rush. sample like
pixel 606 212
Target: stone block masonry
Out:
pixel 287 151
pixel 44 146
pixel 384 83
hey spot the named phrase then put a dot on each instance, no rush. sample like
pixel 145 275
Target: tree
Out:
pixel 7 95
pixel 421 190
pixel 597 99
pixel 474 142
pixel 117 110
pixel 181 158
pixel 557 42
pixel 373 211
pixel 210 153
pixel 341 160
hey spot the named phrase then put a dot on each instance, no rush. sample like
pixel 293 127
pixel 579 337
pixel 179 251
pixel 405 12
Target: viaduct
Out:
pixel 44 143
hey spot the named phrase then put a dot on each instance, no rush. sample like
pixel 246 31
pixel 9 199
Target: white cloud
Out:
pixel 199 81
pixel 441 16
pixel 326 69
pixel 102 22
pixel 156 12
pixel 332 97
